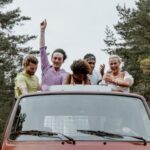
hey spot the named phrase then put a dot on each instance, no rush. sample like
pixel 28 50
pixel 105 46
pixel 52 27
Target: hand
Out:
pixel 108 78
pixel 43 24
pixel 102 68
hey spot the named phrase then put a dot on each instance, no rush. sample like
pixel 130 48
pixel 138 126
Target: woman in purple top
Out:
pixel 51 74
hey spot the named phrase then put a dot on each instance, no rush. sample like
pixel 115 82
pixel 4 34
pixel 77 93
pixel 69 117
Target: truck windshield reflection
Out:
pixel 66 114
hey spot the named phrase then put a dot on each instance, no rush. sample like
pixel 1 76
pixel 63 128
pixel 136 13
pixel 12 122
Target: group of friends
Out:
pixel 83 71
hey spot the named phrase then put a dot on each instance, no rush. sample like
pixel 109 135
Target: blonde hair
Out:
pixel 115 57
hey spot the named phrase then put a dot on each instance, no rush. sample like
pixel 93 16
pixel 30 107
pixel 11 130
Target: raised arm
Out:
pixel 42 33
pixel 102 69
pixel 43 55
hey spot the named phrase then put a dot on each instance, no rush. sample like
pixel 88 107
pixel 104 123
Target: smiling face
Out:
pixel 114 64
pixel 57 60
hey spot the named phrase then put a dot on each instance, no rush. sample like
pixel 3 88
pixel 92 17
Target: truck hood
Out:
pixel 96 145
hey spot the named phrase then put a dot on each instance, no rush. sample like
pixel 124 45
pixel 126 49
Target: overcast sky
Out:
pixel 77 26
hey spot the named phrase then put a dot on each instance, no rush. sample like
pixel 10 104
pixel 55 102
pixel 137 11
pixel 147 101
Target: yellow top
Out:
pixel 25 83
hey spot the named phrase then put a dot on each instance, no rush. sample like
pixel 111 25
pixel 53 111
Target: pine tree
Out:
pixel 110 41
pixel 133 46
pixel 11 54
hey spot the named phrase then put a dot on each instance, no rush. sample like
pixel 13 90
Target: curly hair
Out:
pixel 80 67
pixel 30 59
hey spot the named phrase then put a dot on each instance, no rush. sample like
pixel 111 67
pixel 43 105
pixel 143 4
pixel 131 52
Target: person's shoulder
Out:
pixel 126 73
pixel 128 76
pixel 64 71
pixel 36 77
pixel 96 73
pixel 20 75
pixel 67 79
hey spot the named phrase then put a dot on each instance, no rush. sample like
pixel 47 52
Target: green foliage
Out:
pixel 110 40
pixel 11 55
pixel 146 61
pixel 145 66
pixel 133 45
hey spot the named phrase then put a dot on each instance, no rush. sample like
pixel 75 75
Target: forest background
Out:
pixel 129 38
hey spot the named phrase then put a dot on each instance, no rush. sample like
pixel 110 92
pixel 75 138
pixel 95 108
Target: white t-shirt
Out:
pixel 95 77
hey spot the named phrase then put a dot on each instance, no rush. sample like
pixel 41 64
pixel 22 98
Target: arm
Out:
pixel 43 55
pixel 100 73
pixel 39 86
pixel 120 82
pixel 67 79
pixel 124 83
pixel 128 78
pixel 87 81
pixel 102 69
pixel 23 88
pixel 127 81
pixel 42 33
pixel 21 85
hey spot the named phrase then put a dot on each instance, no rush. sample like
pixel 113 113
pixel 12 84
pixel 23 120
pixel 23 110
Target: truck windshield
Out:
pixel 69 113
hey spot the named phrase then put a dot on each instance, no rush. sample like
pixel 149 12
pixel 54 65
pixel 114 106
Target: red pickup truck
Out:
pixel 73 117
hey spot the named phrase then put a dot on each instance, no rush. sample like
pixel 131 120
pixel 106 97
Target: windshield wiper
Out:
pixel 111 135
pixel 137 137
pixel 44 133
pixel 100 133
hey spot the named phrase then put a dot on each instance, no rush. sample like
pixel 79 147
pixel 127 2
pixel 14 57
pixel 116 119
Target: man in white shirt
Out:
pixel 95 76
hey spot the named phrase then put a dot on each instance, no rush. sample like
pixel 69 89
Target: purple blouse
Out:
pixel 49 75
